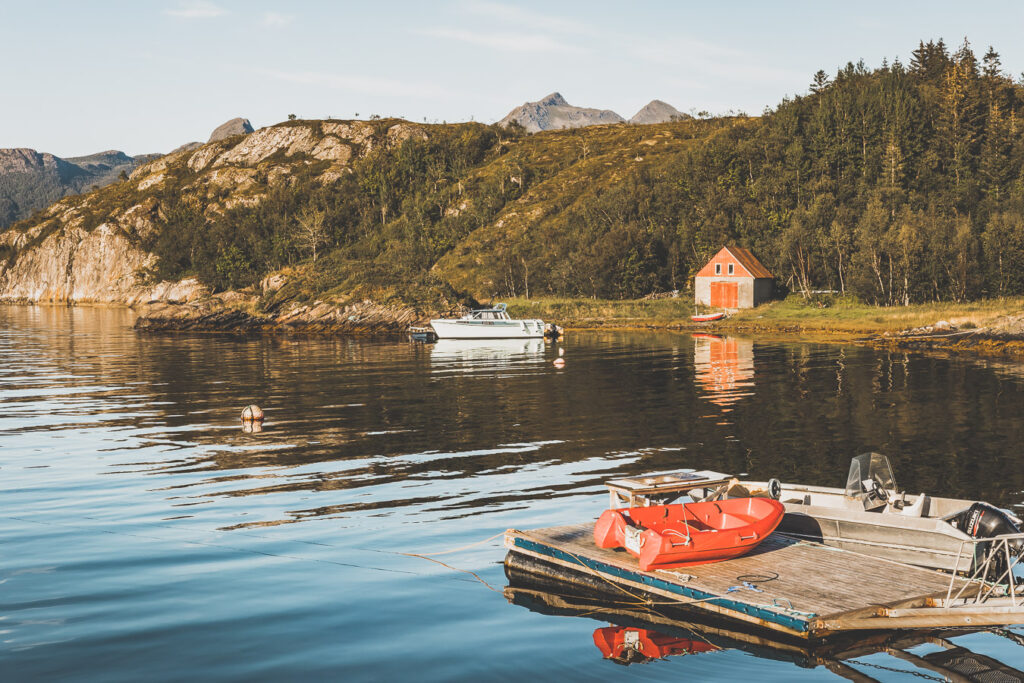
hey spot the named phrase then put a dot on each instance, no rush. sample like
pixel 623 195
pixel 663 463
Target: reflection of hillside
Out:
pixel 643 634
pixel 724 368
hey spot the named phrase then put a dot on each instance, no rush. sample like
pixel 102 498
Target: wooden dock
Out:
pixel 795 588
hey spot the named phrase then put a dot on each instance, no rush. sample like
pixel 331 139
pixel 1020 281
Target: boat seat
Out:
pixel 917 508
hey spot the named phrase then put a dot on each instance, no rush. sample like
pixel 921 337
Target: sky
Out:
pixel 149 75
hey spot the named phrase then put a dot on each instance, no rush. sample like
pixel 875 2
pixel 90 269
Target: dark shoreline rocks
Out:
pixel 241 316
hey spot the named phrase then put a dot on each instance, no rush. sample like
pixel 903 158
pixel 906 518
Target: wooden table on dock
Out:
pixel 660 488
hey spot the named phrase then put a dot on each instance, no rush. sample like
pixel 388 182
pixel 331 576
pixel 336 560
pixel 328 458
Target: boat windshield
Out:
pixel 870 480
pixel 496 313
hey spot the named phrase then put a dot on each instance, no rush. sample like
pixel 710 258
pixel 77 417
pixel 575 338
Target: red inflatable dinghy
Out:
pixel 665 536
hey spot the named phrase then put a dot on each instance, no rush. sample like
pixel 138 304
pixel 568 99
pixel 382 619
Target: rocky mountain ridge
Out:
pixel 553 112
pixel 30 180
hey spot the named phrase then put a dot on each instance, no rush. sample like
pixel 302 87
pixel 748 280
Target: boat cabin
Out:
pixel 496 313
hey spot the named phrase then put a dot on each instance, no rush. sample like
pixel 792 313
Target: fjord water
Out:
pixel 145 536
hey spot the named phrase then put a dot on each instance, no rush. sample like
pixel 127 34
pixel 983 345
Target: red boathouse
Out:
pixel 734 278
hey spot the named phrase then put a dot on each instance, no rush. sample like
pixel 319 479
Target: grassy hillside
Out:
pixel 895 185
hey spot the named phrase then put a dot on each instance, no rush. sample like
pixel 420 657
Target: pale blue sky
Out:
pixel 80 77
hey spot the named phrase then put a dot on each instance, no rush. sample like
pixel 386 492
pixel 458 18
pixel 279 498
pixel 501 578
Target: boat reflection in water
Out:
pixel 475 353
pixel 641 632
pixel 723 368
pixel 627 645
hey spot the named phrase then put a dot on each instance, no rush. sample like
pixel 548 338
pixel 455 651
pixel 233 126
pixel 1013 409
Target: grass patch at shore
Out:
pixel 585 313
pixel 837 315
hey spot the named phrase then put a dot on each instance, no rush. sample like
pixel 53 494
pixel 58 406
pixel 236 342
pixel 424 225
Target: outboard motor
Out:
pixel 982 520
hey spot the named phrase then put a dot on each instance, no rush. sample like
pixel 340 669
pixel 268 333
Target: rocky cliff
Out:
pixel 90 248
pixel 93 248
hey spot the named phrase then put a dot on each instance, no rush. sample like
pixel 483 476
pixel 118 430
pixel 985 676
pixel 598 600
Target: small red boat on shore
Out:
pixel 666 536
pixel 707 317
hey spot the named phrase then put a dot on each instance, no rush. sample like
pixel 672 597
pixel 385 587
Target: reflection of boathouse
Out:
pixel 724 367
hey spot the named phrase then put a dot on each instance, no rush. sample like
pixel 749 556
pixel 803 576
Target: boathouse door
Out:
pixel 724 294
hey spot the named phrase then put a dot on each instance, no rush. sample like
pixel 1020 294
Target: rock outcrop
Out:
pixel 657 111
pixel 553 112
pixel 237 126
pixel 238 313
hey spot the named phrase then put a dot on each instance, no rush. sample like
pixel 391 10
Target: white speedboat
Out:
pixel 870 516
pixel 488 323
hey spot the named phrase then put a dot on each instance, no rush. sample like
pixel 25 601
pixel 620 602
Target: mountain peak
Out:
pixel 553 112
pixel 657 111
pixel 555 99
pixel 236 126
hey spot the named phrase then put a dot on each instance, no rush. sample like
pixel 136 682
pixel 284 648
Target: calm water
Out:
pixel 145 536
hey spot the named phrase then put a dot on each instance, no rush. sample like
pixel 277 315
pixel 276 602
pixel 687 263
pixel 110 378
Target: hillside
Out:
pixel 900 184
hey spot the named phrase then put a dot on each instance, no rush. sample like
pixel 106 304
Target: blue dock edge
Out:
pixel 794 623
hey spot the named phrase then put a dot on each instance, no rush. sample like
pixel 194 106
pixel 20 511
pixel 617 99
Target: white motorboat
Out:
pixel 488 323
pixel 870 516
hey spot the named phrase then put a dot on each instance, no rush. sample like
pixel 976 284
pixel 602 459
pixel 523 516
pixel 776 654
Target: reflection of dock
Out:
pixel 804 590
pixel 724 367
pixel 642 632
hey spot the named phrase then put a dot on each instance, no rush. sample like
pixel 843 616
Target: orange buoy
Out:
pixel 252 413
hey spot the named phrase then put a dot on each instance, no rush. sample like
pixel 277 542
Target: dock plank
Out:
pixel 814 579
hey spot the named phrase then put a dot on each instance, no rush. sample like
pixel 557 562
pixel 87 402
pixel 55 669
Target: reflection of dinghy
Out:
pixel 629 645
pixel 663 536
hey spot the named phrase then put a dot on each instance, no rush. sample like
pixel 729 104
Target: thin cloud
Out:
pixel 196 9
pixel 362 84
pixel 709 60
pixel 512 14
pixel 504 40
pixel 276 19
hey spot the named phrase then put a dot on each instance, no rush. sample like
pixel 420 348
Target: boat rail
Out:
pixel 1000 556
